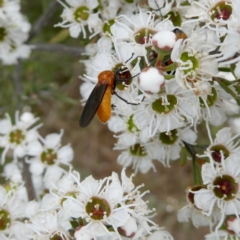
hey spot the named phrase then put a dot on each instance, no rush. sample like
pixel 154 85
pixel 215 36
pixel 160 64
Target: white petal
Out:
pixel 52 175
pixel 208 173
pixel 36 167
pixel 119 218
pixel 5 126
pixel 89 186
pixel 34 148
pixel 130 228
pixel 74 31
pixel 204 199
pixel 52 140
pixel 20 151
pixel 31 209
pixel 65 154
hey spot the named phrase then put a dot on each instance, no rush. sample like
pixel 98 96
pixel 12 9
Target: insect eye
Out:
pixel 123 77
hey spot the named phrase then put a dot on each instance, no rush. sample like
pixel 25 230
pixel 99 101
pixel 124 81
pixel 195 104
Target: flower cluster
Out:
pixel 215 202
pixel 14 29
pixel 21 141
pixel 65 207
pixel 167 63
pixel 155 70
pixel 93 209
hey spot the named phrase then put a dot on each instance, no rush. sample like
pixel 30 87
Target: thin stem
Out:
pixel 17 82
pixel 43 19
pixel 58 48
pixel 27 178
pixel 196 171
pixel 171 67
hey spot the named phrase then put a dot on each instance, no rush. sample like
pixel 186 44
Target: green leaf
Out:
pixel 225 85
pixel 60 37
pixel 183 156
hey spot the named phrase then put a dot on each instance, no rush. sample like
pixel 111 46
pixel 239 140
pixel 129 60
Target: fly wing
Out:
pixel 92 104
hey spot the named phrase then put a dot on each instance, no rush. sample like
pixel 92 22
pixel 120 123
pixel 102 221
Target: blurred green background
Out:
pixel 48 84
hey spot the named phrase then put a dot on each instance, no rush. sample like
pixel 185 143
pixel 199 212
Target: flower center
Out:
pixel 107 25
pixel 98 208
pixel 131 125
pixel 69 194
pixel 5 219
pixel 175 17
pixel 144 36
pixel 123 76
pixel 211 99
pixel 1 3
pixel 57 236
pixel 216 152
pixel 190 64
pixel 49 156
pixel 138 150
pixel 17 136
pixel 3 33
pixel 129 1
pixel 81 13
pixel 225 187
pixel 222 10
pixel 164 107
pixel 169 138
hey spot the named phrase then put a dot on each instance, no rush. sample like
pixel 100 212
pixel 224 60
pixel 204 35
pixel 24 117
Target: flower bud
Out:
pixel 151 80
pixel 233 225
pixel 164 40
pixel 129 229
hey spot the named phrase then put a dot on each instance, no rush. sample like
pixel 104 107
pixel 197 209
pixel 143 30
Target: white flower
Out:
pixel 11 210
pixel 167 146
pixel 9 7
pixel 194 66
pixel 230 46
pixel 11 56
pixel 163 6
pixel 196 215
pixel 47 225
pixel 14 32
pixel 108 202
pixel 223 144
pixel 12 172
pixel 216 104
pixel 48 156
pixel 160 235
pixel 166 111
pixel 99 206
pixel 139 155
pixel 16 137
pixel 48 153
pixel 138 31
pixel 215 12
pixel 222 189
pixel 77 15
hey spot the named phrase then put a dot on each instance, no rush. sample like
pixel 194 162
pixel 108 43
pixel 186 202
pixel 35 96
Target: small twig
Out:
pixel 27 178
pixel 59 48
pixel 17 82
pixel 43 19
